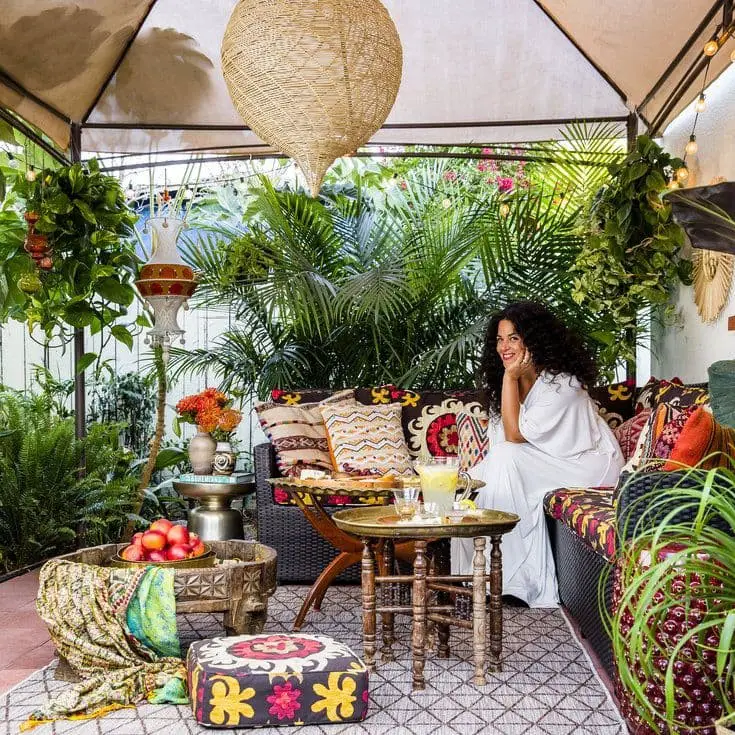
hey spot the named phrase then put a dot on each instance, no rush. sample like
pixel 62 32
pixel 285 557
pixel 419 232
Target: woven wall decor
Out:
pixel 314 78
pixel 712 282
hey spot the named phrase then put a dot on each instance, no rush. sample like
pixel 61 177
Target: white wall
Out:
pixel 687 350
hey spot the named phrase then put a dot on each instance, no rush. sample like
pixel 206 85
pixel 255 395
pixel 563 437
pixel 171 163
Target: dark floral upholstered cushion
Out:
pixel 615 402
pixel 589 512
pixel 275 679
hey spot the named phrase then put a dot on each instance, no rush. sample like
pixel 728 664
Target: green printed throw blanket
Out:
pixel 117 630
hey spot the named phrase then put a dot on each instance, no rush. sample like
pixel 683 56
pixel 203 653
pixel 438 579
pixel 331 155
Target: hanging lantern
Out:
pixel 165 281
pixel 36 244
pixel 314 79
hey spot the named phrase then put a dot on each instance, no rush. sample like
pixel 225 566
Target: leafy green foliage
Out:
pixel 690 562
pixel 89 226
pixel 127 398
pixel 632 254
pixel 45 508
pixel 341 291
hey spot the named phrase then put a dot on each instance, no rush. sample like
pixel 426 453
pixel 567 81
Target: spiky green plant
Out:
pixel 340 292
pixel 45 507
pixel 678 566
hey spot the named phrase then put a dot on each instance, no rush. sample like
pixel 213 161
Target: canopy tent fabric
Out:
pixel 144 75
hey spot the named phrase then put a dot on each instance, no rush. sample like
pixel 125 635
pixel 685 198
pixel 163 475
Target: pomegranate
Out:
pixel 178 552
pixel 162 525
pixel 133 553
pixel 177 535
pixel 153 541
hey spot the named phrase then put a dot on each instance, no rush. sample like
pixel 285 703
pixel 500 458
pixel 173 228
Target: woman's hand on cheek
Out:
pixel 516 368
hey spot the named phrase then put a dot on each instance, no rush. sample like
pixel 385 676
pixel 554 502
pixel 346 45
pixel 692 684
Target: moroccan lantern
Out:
pixel 314 79
pixel 165 281
pixel 36 244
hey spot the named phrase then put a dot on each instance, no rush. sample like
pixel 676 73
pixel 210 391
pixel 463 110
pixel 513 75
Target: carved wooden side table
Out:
pixel 376 525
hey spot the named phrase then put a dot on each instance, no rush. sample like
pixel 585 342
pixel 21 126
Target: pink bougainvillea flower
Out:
pixel 450 175
pixel 505 184
pixel 487 151
pixel 482 166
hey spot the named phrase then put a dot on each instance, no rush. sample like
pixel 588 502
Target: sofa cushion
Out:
pixel 298 435
pixel 366 439
pixel 674 393
pixel 704 442
pixel 473 438
pixel 589 512
pixel 429 418
pixel 629 432
pixel 615 402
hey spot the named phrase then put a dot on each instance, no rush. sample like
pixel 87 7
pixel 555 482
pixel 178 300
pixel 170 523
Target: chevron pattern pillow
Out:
pixel 473 439
pixel 367 439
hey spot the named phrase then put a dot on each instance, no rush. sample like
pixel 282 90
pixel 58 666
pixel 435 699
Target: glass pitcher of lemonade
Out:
pixel 439 479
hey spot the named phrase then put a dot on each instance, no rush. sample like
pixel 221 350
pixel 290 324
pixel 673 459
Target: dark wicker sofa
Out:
pixel 582 565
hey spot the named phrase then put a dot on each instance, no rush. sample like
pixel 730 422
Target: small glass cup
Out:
pixel 429 511
pixel 406 502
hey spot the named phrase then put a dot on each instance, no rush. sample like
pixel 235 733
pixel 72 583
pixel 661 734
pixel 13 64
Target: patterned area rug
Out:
pixel 547 686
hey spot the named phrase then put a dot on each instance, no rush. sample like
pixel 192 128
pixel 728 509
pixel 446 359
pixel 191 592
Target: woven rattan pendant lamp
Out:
pixel 315 79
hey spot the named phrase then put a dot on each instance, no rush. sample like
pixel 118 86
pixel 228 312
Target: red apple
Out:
pixel 178 551
pixel 162 525
pixel 133 553
pixel 137 539
pixel 153 541
pixel 155 556
pixel 197 549
pixel 177 535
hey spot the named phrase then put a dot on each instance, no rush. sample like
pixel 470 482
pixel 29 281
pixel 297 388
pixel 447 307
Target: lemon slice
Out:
pixel 467 504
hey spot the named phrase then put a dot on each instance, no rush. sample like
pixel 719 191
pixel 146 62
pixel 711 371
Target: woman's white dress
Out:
pixel 568 444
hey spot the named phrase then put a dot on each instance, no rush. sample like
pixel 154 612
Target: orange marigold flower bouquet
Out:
pixel 212 412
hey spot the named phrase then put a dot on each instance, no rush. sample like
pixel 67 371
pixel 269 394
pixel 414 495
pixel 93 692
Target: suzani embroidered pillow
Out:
pixel 367 439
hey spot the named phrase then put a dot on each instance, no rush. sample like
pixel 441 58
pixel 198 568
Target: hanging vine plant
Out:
pixel 631 258
pixel 85 277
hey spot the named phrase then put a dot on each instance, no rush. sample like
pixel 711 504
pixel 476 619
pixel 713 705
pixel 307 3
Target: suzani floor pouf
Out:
pixel 275 679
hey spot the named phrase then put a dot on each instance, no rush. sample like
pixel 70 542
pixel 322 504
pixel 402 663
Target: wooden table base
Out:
pixel 444 583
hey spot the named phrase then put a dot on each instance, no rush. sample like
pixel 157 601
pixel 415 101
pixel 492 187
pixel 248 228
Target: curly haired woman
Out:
pixel 545 433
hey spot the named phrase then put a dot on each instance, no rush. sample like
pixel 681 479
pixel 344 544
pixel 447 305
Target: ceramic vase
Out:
pixel 201 452
pixel 224 459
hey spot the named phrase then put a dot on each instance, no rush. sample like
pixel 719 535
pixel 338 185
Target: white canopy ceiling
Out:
pixel 144 75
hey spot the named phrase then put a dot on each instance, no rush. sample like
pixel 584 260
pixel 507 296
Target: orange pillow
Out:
pixel 701 437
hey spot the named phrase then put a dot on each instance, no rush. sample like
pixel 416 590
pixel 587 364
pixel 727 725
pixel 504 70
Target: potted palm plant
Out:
pixel 673 621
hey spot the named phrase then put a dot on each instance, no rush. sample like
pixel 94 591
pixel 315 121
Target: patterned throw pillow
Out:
pixel 367 439
pixel 630 431
pixel 300 397
pixel 429 418
pixel 473 438
pixel 676 394
pixel 615 402
pixel 671 431
pixel 298 435
pixel 659 436
pixel 701 437
pixel 647 394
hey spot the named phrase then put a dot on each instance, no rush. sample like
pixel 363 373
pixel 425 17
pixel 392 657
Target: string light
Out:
pixel 682 174
pixel 711 48
pixel 673 184
pixel 691 146
pixel 701 105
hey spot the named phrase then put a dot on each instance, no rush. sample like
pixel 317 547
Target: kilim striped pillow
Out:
pixel 298 434
pixel 367 439
pixel 473 439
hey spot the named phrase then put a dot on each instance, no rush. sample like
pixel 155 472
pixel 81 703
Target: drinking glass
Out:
pixel 439 479
pixel 406 502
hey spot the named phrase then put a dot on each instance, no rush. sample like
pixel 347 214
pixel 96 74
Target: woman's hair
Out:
pixel 552 345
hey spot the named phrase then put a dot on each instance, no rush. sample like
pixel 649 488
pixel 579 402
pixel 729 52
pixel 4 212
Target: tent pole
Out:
pixel 631 129
pixel 80 393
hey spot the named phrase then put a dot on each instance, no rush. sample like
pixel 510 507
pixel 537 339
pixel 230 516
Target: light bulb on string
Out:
pixel 711 48
pixel 701 105
pixel 691 147
pixel 673 184
pixel 682 174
